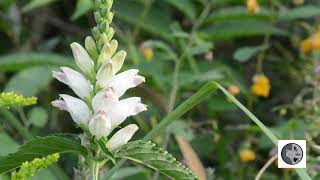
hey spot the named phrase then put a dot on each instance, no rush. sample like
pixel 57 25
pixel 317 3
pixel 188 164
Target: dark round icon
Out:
pixel 292 153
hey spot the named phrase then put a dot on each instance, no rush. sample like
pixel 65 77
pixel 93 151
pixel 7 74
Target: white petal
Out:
pixel 125 80
pixel 121 137
pixel 104 100
pixel 75 80
pixel 113 46
pixel 120 110
pixel 82 58
pixel 78 109
pixel 105 74
pixel 99 125
pixel 117 60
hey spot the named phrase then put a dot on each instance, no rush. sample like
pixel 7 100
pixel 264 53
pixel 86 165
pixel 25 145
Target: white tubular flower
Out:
pixel 105 74
pixel 124 81
pixel 118 60
pixel 100 125
pixel 117 110
pixel 82 58
pixel 75 80
pixel 78 109
pixel 122 136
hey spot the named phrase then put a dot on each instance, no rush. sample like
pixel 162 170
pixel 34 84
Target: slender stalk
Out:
pixel 264 168
pixel 13 121
pixel 95 170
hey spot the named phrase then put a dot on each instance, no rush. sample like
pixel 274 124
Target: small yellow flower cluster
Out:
pixel 28 169
pixel 147 53
pixel 247 155
pixel 311 43
pixel 9 98
pixel 253 6
pixel 261 86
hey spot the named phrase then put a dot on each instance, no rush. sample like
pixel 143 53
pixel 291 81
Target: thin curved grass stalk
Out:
pixel 194 100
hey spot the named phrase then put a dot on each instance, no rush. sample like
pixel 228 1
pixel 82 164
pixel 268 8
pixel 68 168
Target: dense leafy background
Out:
pixel 35 36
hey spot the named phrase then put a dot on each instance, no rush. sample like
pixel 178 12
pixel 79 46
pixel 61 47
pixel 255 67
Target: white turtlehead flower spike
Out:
pixel 75 80
pixel 100 125
pixel 82 58
pixel 78 109
pixel 121 137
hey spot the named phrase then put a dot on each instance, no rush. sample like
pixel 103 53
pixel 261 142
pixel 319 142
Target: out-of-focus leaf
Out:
pixel 243 54
pixel 219 103
pixel 200 47
pixel 182 129
pixel 237 13
pixel 15 62
pixel 186 7
pixel 36 3
pixel 82 7
pixel 8 145
pixel 30 81
pixel 302 12
pixel 192 159
pixel 127 172
pixel 130 11
pixel 40 147
pixel 235 29
pixel 38 116
pixel 187 78
pixel 44 174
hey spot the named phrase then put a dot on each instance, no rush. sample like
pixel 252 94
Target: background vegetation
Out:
pixel 264 52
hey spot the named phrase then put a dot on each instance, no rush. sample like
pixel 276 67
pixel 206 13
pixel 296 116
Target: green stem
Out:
pixel 13 121
pixel 95 170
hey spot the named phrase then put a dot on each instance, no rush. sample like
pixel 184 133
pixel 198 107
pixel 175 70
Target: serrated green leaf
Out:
pixel 241 28
pixel 38 116
pixel 186 7
pixel 40 147
pixel 243 54
pixel 8 145
pixel 108 154
pixel 30 81
pixel 302 12
pixel 15 62
pixel 148 154
pixel 36 3
pixel 82 7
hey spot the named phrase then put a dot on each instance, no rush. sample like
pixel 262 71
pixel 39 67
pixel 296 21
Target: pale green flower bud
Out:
pixel 122 137
pixel 82 58
pixel 91 47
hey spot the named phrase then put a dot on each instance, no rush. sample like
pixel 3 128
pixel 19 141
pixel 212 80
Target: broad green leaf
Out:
pixel 15 62
pixel 36 3
pixel 8 145
pixel 186 7
pixel 303 12
pixel 149 155
pixel 40 147
pixel 82 7
pixel 127 172
pixel 130 11
pixel 241 28
pixel 30 81
pixel 38 116
pixel 237 13
pixel 243 54
pixel 44 174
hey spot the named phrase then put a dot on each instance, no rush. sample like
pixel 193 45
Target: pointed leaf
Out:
pixel 40 147
pixel 82 7
pixel 148 154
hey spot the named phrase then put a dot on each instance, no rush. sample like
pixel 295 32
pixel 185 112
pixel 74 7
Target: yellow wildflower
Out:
pixel 247 155
pixel 311 43
pixel 261 86
pixel 147 53
pixel 252 6
pixel 234 90
pixel 306 45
